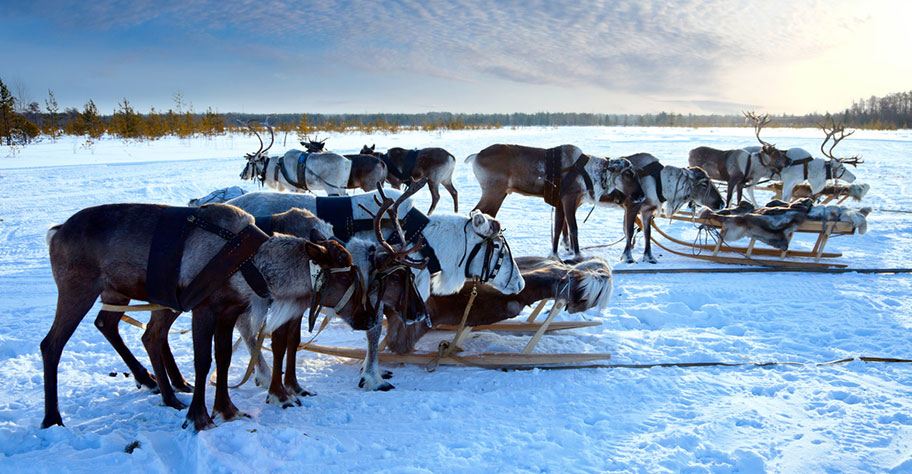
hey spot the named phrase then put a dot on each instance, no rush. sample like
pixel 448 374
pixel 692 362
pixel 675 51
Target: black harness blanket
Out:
pixel 167 250
pixel 654 169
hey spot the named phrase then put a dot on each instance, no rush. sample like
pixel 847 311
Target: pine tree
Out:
pixel 52 121
pixel 7 113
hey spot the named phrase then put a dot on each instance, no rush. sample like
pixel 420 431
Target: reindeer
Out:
pixel 669 185
pixel 504 169
pixel 395 284
pixel 406 166
pixel 801 166
pixel 297 170
pixel 741 168
pixel 367 170
pixel 455 242
pixel 107 251
pixel 578 284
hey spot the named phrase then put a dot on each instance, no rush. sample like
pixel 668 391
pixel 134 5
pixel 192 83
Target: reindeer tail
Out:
pixel 50 234
pixel 471 157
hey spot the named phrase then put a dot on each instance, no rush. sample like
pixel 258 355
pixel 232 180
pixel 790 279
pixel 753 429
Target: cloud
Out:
pixel 640 47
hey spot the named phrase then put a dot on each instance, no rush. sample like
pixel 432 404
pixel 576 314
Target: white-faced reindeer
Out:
pixel 300 171
pixel 395 284
pixel 802 166
pixel 504 169
pixel 741 168
pixel 672 186
pixel 407 166
pixel 455 241
pixel 107 251
pixel 577 285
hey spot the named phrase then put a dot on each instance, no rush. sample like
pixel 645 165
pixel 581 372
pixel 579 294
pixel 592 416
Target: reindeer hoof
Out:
pixel 51 420
pixel 201 424
pixel 386 374
pixel 382 386
pixel 175 403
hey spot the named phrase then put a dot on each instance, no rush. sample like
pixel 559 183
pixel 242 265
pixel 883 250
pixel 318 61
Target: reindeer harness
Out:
pixel 408 167
pixel 554 175
pixel 166 251
pixel 491 244
pixel 654 169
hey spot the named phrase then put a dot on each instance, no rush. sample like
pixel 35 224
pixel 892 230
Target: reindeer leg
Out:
pixel 291 350
pixel 178 382
pixel 570 204
pixel 72 305
pixel 646 217
pixel 729 187
pixel 107 324
pixel 490 202
pixel 557 227
pixel 371 378
pixel 224 326
pixel 203 330
pixel 452 190
pixel 154 341
pixel 629 219
pixel 565 234
pixel 277 393
pixel 435 196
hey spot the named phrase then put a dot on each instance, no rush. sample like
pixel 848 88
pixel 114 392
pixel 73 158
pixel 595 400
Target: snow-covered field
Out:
pixel 854 417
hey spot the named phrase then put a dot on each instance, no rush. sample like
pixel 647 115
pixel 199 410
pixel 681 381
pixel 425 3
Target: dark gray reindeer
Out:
pixel 407 166
pixel 107 251
pixel 741 168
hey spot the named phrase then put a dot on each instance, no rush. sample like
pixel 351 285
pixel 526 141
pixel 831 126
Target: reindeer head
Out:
pixel 837 164
pixel 394 278
pixel 313 146
pixel 620 175
pixel 368 150
pixel 703 191
pixel 337 281
pixel 488 257
pixel 776 158
pixel 256 162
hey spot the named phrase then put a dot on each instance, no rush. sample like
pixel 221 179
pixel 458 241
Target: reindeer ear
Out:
pixel 317 253
pixel 478 219
pixel 316 236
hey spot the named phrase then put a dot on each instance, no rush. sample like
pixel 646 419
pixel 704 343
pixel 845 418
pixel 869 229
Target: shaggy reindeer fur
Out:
pixel 582 284
pixel 803 190
pixel 104 251
pixel 770 225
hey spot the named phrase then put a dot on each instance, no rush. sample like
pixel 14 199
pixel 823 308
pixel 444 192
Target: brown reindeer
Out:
pixel 407 166
pixel 580 284
pixel 107 251
pixel 563 175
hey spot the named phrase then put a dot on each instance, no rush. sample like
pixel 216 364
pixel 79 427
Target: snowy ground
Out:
pixel 854 417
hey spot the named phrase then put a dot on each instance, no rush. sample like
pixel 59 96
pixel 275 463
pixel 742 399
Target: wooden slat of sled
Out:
pixel 520 326
pixel 809 226
pixel 754 251
pixel 481 359
pixel 745 260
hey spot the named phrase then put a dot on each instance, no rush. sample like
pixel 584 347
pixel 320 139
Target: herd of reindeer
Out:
pixel 360 257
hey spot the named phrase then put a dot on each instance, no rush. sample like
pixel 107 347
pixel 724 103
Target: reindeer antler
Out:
pixel 271 135
pixel 759 122
pixel 253 155
pixel 392 208
pixel 831 129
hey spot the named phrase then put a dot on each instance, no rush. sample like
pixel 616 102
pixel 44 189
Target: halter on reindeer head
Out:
pixel 256 162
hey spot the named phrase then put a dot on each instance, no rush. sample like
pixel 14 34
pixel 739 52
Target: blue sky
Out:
pixel 699 56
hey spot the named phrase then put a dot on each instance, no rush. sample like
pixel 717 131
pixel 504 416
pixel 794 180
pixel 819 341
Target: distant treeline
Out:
pixel 22 123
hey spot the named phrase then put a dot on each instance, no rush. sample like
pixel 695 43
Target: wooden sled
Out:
pixel 822 200
pixel 529 325
pixel 746 255
pixel 449 352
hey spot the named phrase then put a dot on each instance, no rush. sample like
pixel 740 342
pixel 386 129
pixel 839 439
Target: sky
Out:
pixel 352 56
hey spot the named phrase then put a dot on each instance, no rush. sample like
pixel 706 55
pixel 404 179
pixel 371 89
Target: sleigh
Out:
pixel 720 251
pixel 449 352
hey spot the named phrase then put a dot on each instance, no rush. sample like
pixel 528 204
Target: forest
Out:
pixel 22 123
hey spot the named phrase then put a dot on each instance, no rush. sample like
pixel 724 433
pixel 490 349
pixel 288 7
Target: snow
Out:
pixel 852 417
